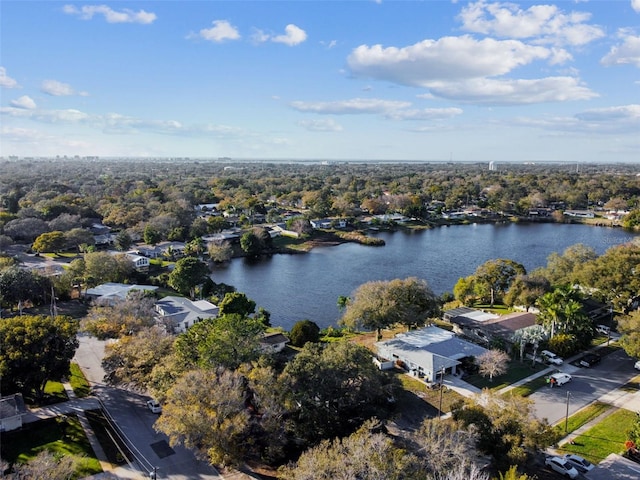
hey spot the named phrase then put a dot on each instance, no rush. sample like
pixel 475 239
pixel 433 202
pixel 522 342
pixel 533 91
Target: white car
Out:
pixel 560 378
pixel 562 466
pixel 154 406
pixel 637 365
pixel 551 357
pixel 603 329
pixel 581 464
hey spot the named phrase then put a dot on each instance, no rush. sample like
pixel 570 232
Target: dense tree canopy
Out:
pixel 35 349
pixel 188 273
pixel 380 304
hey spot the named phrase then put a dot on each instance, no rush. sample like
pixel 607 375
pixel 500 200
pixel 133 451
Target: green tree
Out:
pixel 205 411
pixel 131 359
pixel 497 276
pixel 304 331
pixel 251 244
pixel 380 304
pixel 525 290
pixel 629 327
pixel 49 242
pixel 513 474
pixel 632 219
pixel 123 241
pixel 332 389
pixel 228 341
pixel 102 267
pixel 151 235
pixel 76 237
pixel 35 349
pixel 188 273
pixel 19 286
pixel 236 302
pixel 561 311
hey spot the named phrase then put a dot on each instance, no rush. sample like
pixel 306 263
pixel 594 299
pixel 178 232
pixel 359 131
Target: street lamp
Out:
pixel 566 417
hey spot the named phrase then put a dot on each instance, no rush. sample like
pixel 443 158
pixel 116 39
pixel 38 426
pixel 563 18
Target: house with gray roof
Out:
pixel 111 292
pixel 179 313
pixel 12 409
pixel 428 351
pixel 486 326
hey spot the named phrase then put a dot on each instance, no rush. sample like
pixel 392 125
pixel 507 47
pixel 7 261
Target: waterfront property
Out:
pixel 427 352
pixel 486 326
pixel 179 313
pixel 111 292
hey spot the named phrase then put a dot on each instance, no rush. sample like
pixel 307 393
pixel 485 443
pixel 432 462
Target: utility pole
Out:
pixel 441 391
pixel 566 417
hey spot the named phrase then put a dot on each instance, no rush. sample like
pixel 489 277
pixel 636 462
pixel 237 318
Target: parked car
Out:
pixel 560 378
pixel 603 329
pixel 581 464
pixel 562 466
pixel 154 406
pixel 551 357
pixel 637 365
pixel 589 360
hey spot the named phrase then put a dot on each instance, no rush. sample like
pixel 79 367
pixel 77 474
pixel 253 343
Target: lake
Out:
pixel 307 286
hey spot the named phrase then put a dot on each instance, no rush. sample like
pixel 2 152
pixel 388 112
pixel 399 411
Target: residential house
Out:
pixel 273 343
pixel 328 223
pixel 179 313
pixel 486 326
pixel 428 352
pixel 12 410
pixel 140 262
pixel 112 292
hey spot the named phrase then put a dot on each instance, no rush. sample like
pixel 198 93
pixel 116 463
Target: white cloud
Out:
pixel 545 23
pixel 353 106
pixel 635 4
pixel 626 53
pixel 86 12
pixel 25 102
pixel 222 30
pixel 293 36
pixel 425 114
pixel 449 58
pixel 618 113
pixel 6 81
pixel 488 91
pixel 321 125
pixel 59 89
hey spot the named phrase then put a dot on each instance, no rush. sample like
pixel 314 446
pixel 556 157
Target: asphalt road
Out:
pixel 586 386
pixel 130 413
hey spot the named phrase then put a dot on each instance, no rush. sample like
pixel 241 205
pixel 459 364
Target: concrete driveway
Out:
pixel 130 413
pixel 587 385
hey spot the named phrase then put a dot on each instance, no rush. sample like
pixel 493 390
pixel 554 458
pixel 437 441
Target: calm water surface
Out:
pixel 307 286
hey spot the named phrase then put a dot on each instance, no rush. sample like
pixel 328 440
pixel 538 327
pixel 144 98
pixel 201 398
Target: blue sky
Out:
pixel 328 80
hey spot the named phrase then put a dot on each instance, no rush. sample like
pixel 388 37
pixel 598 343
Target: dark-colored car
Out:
pixel 589 360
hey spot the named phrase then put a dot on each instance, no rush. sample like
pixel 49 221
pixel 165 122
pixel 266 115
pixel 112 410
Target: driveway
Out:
pixel 130 413
pixel 587 385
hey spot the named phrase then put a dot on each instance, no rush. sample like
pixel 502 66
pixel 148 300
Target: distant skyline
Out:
pixel 327 80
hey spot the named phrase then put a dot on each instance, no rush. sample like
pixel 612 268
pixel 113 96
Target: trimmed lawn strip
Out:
pixel 584 416
pixel 78 381
pixel 528 388
pixel 604 438
pixel 61 436
pixel 515 371
pixel 109 441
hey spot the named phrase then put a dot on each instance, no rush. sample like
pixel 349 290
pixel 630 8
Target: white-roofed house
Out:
pixel 179 313
pixel 110 292
pixel 427 351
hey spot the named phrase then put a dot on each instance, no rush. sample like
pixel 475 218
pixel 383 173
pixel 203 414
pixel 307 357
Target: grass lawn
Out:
pixel 604 438
pixel 53 393
pixel 528 388
pixel 583 416
pixel 78 381
pixel 516 370
pixel 61 436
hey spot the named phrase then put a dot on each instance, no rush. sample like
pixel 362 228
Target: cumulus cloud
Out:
pixel 626 53
pixel 59 89
pixel 487 91
pixel 425 114
pixel 448 58
pixel 25 102
pixel 353 106
pixel 6 81
pixel 221 31
pixel 544 23
pixel 321 125
pixel 635 4
pixel 293 35
pixel 617 113
pixel 87 12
